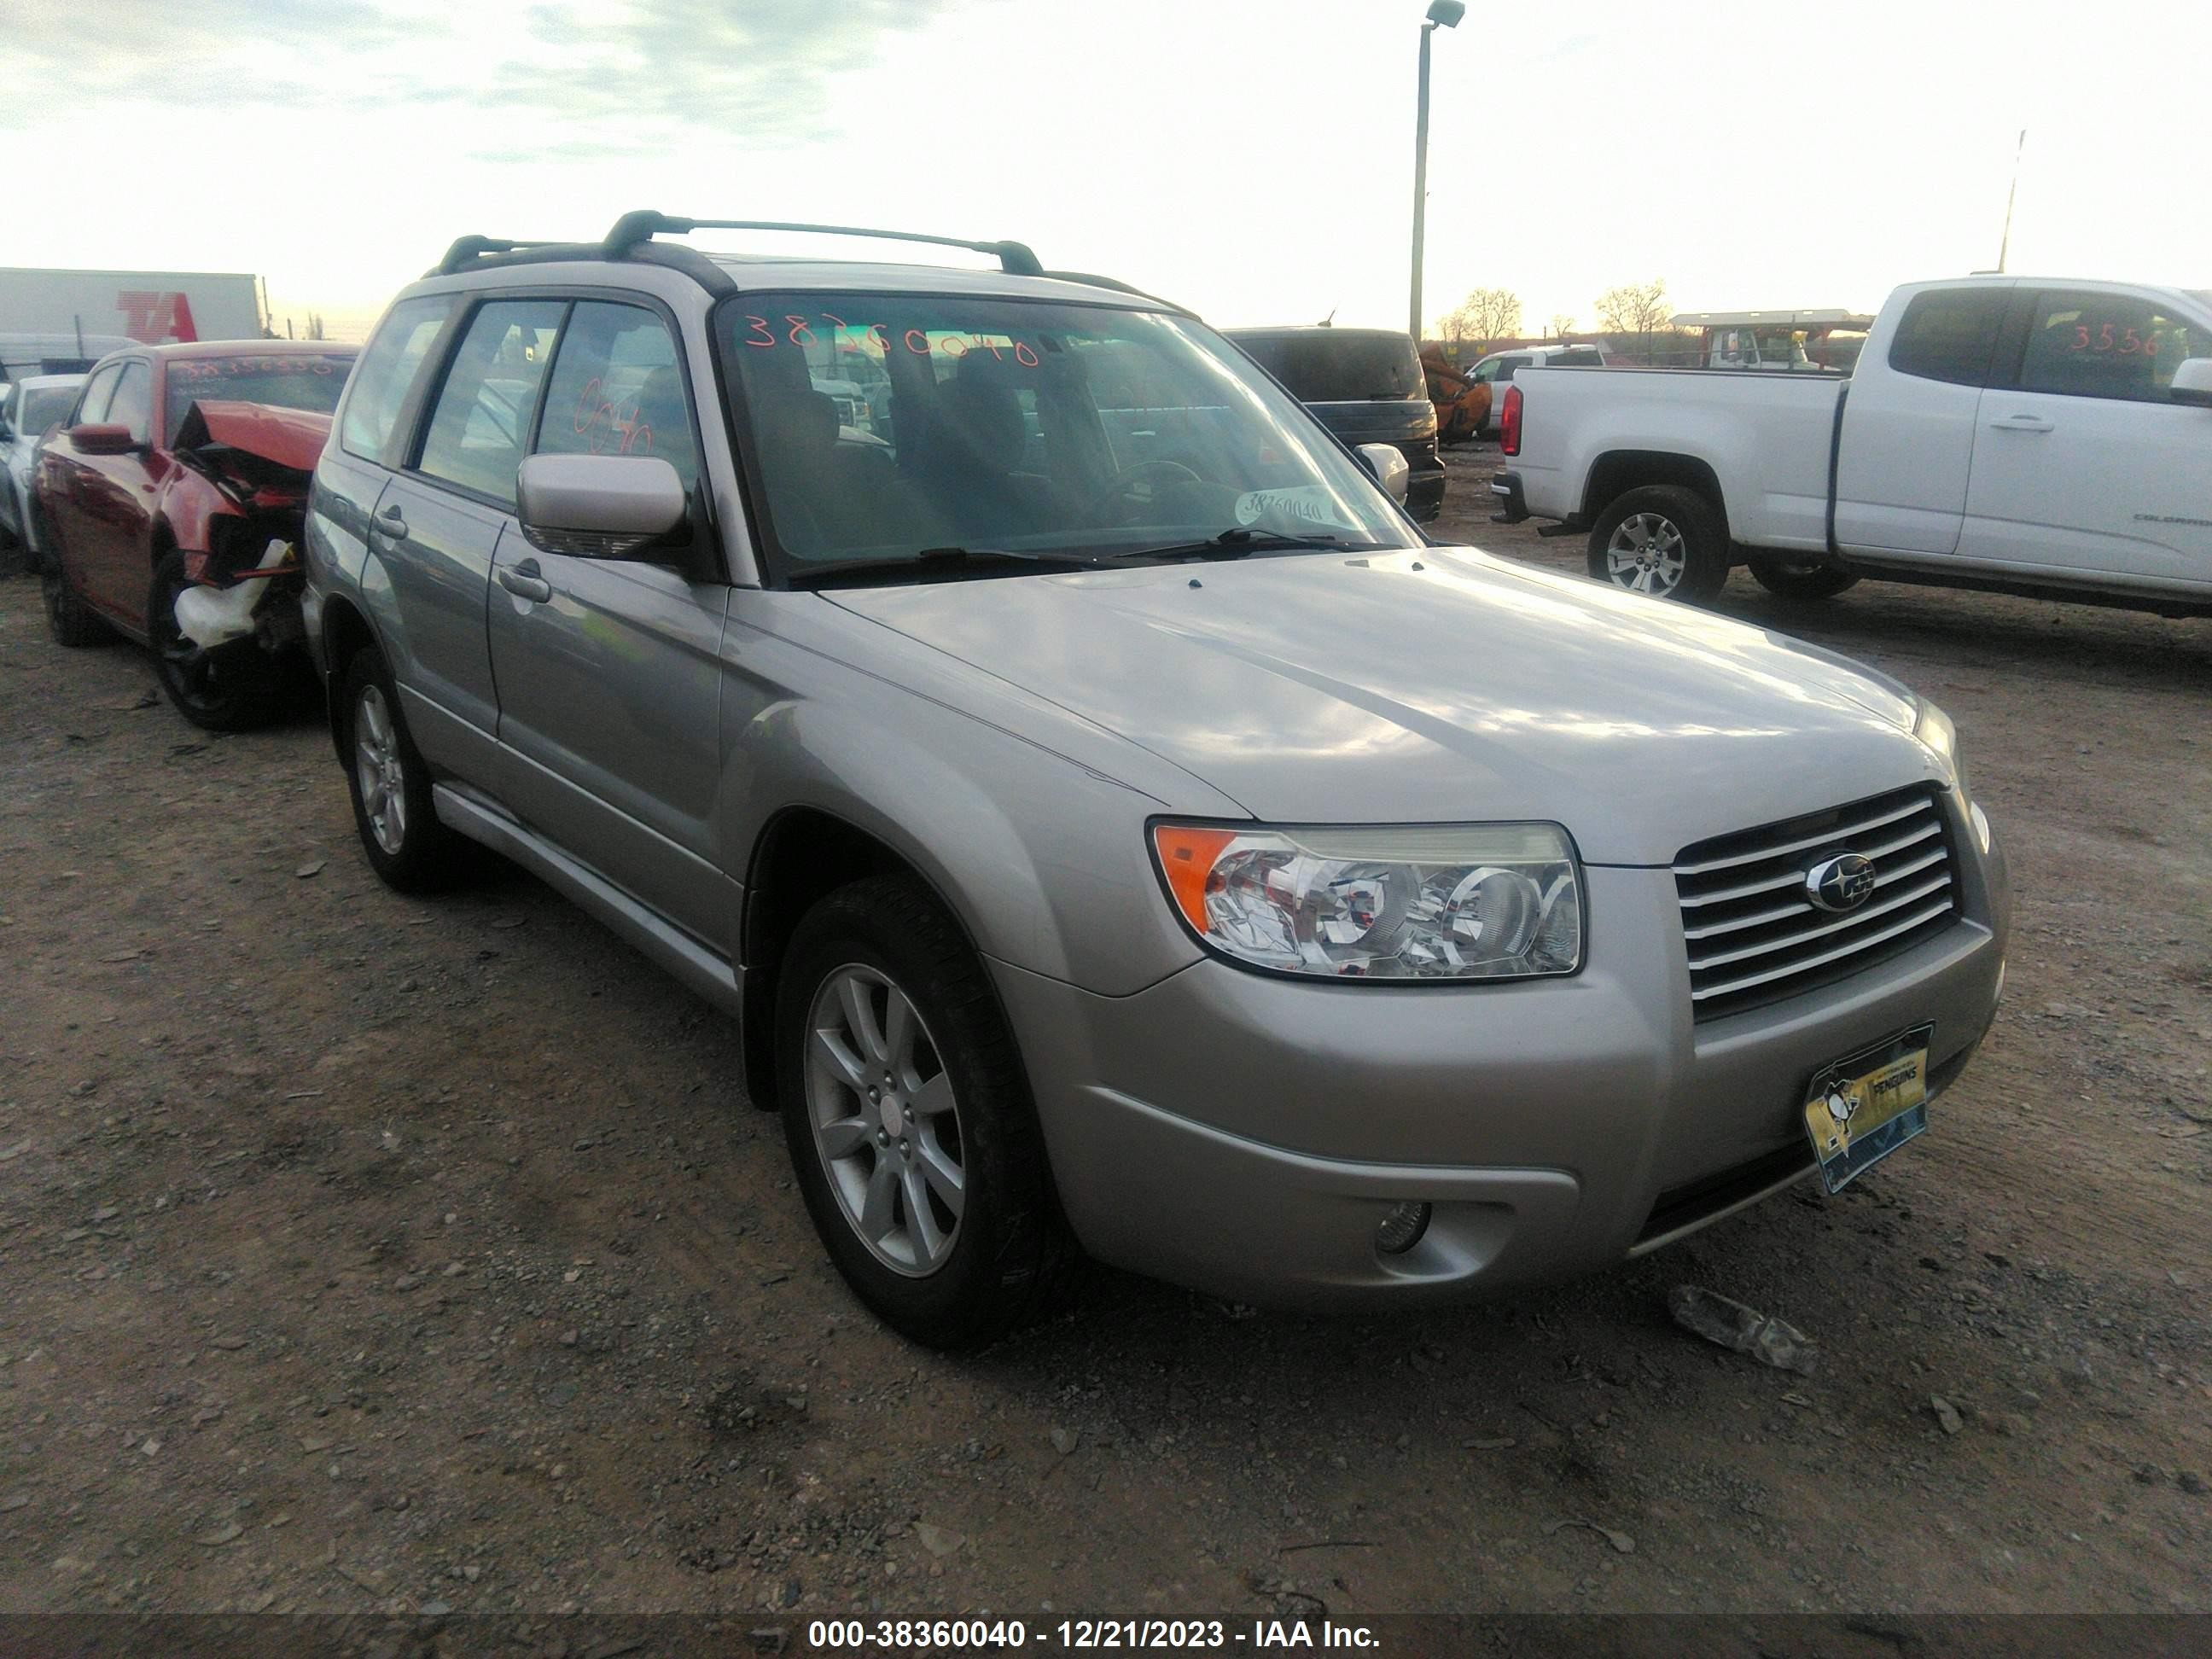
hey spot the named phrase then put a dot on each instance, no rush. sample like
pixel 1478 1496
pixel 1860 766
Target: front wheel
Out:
pixel 909 1121
pixel 233 687
pixel 1792 577
pixel 1660 540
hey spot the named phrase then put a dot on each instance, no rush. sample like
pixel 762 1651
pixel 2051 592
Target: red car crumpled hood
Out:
pixel 291 438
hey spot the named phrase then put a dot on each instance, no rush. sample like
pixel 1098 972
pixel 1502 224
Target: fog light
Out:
pixel 1402 1228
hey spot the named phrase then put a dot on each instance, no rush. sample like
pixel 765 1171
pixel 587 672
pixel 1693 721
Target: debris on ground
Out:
pixel 1724 1321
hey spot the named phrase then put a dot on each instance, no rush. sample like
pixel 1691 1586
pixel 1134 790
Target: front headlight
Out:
pixel 1935 730
pixel 1489 901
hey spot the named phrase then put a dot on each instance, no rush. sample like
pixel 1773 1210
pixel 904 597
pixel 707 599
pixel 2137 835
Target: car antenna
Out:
pixel 1331 317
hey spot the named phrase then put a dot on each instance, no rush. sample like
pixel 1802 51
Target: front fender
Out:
pixel 1043 859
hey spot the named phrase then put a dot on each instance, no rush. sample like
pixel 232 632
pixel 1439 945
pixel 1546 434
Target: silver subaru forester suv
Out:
pixel 1116 828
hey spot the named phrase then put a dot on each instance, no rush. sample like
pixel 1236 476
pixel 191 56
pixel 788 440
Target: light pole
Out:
pixel 1444 14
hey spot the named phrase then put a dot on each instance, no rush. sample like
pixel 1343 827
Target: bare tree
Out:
pixel 1638 309
pixel 1486 314
pixel 1562 324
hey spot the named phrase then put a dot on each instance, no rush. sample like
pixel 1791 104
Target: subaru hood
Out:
pixel 1436 685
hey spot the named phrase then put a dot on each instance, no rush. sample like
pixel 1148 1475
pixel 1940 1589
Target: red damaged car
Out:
pixel 170 506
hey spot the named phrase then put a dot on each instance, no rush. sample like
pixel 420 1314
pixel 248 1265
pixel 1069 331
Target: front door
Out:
pixel 64 477
pixel 117 502
pixel 609 670
pixel 2083 466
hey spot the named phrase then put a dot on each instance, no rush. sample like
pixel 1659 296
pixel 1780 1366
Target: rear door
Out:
pixel 438 520
pixel 1908 439
pixel 381 396
pixel 609 670
pixel 2083 464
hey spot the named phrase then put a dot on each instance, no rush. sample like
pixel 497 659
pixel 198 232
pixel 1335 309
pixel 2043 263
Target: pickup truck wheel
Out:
pixel 390 783
pixel 1660 540
pixel 233 687
pixel 1799 578
pixel 69 618
pixel 909 1119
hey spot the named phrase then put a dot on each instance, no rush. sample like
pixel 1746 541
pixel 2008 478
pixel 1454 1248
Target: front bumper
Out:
pixel 1245 1135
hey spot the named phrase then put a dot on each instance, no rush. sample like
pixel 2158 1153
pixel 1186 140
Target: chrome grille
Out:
pixel 1754 937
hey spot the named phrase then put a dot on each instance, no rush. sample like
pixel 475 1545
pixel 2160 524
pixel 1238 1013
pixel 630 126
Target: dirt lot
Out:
pixel 365 1253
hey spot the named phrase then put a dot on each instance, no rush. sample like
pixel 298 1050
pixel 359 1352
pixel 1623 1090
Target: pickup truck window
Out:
pixel 2105 345
pixel 1949 334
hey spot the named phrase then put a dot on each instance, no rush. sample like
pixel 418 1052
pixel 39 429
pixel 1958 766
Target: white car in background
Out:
pixel 29 408
pixel 1499 367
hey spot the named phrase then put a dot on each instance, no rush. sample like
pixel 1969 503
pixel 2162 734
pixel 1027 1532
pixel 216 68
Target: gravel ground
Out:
pixel 365 1252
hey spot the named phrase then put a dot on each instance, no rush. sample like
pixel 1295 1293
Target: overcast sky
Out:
pixel 1250 158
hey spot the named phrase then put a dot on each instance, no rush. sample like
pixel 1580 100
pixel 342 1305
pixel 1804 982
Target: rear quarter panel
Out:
pixel 1765 438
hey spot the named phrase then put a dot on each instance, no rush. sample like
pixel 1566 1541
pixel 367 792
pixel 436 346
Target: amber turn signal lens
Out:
pixel 1187 854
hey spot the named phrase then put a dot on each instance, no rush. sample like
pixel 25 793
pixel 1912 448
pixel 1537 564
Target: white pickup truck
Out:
pixel 2046 438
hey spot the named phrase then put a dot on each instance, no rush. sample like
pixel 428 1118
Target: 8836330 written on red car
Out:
pixel 170 503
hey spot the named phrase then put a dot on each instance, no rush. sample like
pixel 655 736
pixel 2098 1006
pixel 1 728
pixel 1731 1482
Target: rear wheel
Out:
pixel 1799 578
pixel 234 688
pixel 390 783
pixel 69 618
pixel 909 1121
pixel 1662 541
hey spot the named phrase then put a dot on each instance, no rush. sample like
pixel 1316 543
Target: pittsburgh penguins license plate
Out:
pixel 1865 1106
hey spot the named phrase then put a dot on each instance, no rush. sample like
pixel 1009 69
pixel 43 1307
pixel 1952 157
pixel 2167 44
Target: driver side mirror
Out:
pixel 103 438
pixel 2192 382
pixel 1389 467
pixel 596 506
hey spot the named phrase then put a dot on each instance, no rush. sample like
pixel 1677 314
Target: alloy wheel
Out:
pixel 377 769
pixel 1646 554
pixel 886 1123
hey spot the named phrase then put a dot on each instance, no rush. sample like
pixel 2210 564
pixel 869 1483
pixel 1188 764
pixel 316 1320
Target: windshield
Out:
pixel 41 406
pixel 288 380
pixel 884 425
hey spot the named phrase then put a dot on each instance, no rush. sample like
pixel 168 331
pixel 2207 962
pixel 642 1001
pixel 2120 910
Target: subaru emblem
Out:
pixel 1842 883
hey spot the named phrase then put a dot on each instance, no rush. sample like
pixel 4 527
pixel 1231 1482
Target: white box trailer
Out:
pixel 43 314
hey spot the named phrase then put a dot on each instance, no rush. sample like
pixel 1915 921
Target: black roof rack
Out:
pixel 631 237
pixel 1015 258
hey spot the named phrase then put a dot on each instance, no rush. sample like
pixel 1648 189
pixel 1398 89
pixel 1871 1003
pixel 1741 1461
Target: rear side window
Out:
pixel 385 371
pixel 2105 345
pixel 1949 334
pixel 1580 357
pixel 485 409
pixel 617 389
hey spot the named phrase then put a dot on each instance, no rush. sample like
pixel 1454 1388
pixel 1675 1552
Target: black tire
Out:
pixel 1680 524
pixel 411 851
pixel 234 688
pixel 1009 1256
pixel 1792 577
pixel 69 618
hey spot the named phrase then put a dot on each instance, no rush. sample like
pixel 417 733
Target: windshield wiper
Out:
pixel 932 559
pixel 1235 543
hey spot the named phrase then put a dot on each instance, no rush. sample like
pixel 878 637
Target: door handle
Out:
pixel 2020 423
pixel 391 521
pixel 523 582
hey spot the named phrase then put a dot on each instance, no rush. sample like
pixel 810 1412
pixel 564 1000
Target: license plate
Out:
pixel 1865 1105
